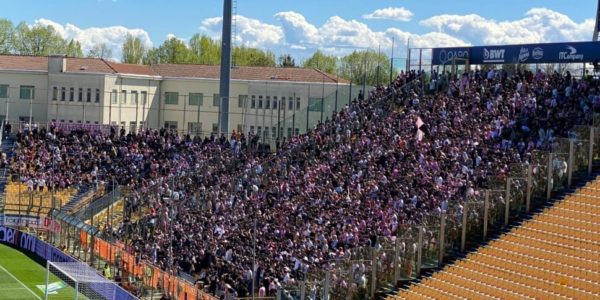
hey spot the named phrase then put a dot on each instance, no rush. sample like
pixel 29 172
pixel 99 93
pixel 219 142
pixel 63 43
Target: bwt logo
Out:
pixel 523 54
pixel 447 56
pixel 570 54
pixel 494 55
pixel 538 53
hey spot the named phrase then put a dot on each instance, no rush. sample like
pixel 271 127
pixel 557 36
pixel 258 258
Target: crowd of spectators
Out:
pixel 225 212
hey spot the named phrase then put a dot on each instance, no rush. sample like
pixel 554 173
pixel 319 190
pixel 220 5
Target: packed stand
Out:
pixel 217 206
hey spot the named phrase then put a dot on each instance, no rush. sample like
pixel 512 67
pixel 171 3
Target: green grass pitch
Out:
pixel 20 275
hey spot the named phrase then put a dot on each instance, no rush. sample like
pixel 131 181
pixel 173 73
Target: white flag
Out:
pixel 419 122
pixel 420 135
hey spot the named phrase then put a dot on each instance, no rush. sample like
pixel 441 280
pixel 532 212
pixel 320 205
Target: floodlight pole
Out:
pixel 597 27
pixel 225 68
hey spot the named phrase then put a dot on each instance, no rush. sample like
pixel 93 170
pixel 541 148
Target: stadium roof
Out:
pixel 98 65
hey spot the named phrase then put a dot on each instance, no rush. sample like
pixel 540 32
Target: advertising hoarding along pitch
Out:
pixel 573 52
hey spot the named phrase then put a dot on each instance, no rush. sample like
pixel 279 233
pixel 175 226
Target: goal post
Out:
pixel 76 280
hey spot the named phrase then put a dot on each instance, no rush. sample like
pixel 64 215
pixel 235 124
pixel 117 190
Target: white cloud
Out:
pixel 391 13
pixel 537 25
pixel 249 32
pixel 112 36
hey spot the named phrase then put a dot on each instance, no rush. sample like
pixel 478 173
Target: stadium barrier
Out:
pixel 48 252
pixel 149 278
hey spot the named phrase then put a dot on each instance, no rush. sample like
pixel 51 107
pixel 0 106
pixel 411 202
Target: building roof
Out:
pixel 245 73
pixel 132 69
pixel 97 65
pixel 88 65
pixel 24 63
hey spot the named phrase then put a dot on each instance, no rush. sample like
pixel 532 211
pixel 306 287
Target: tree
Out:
pixel 38 40
pixel 73 49
pixel 100 51
pixel 133 50
pixel 245 56
pixel 174 51
pixel 205 50
pixel 286 61
pixel 325 63
pixel 7 35
pixel 368 64
pixel 151 57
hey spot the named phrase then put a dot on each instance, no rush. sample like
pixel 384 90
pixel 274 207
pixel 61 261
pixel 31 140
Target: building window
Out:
pixel 253 102
pixel 290 104
pixel 80 95
pixel 142 124
pixel 134 97
pixel 132 125
pixel 260 102
pixel 251 129
pixel 27 92
pixel 54 93
pixel 259 131
pixel 171 125
pixel 289 132
pixel 297 103
pixel 3 91
pixel 88 95
pixel 194 128
pixel 196 99
pixel 172 98
pixel 216 100
pixel 97 95
pixel 215 127
pixel 72 94
pixel 123 97
pixel 242 101
pixel 274 102
pixel 268 103
pixel 239 128
pixel 297 131
pixel 315 104
pixel 144 97
pixel 273 132
pixel 113 97
pixel 63 94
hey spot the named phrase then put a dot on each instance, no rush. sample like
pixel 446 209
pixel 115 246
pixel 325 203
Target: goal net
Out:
pixel 76 280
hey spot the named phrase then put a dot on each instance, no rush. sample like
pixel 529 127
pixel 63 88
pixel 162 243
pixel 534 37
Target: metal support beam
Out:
pixel 442 237
pixel 591 151
pixel 507 202
pixel 570 162
pixel 529 186
pixel 486 212
pixel 550 180
pixel 463 233
pixel 225 68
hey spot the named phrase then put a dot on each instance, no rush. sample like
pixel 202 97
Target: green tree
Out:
pixel 174 51
pixel 100 51
pixel 133 50
pixel 73 49
pixel 7 36
pixel 205 50
pixel 323 62
pixel 151 57
pixel 286 61
pixel 246 56
pixel 367 64
pixel 38 40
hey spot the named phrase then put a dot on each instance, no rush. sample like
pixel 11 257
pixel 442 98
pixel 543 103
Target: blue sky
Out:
pixel 300 27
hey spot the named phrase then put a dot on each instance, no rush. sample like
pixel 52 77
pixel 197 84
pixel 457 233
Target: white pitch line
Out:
pixel 19 281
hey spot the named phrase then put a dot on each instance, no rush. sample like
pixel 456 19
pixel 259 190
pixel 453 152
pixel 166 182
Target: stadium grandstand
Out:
pixel 477 182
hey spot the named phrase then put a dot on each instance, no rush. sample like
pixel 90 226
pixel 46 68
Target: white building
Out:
pixel 181 97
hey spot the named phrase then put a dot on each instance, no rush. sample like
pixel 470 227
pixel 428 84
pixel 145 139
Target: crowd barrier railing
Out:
pixel 458 228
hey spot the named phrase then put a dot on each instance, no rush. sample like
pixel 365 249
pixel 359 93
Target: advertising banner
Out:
pixel 46 223
pixel 573 52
